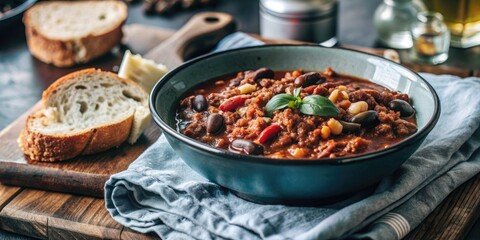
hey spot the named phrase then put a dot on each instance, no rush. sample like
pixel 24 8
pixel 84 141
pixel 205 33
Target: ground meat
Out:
pixel 402 96
pixel 331 149
pixel 362 95
pixel 299 134
pixel 384 129
pixel 327 148
pixel 187 102
pixel 283 140
pixel 388 117
pixel 329 85
pixel 266 83
pixel 356 145
pixel 404 128
pixel 196 127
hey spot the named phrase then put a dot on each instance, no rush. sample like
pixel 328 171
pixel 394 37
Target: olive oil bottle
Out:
pixel 462 18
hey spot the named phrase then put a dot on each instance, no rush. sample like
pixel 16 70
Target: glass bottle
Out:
pixel 431 38
pixel 392 21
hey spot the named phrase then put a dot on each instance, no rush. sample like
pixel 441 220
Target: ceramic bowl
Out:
pixel 289 181
pixel 15 14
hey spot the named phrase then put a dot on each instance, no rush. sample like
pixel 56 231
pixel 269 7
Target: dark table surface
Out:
pixel 23 78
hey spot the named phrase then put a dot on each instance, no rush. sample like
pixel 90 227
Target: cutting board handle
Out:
pixel 199 35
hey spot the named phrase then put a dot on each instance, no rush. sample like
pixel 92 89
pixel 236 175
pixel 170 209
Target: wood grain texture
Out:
pixel 44 214
pixel 7 193
pixel 82 175
pixel 198 36
pixel 151 37
pixel 62 216
pixel 439 69
pixel 87 174
pixel 454 217
pixel 128 233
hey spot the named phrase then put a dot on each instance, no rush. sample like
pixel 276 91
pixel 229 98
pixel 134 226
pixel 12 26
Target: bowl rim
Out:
pixel 287 161
pixel 17 10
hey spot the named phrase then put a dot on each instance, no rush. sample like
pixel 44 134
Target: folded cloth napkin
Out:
pixel 4 235
pixel 160 193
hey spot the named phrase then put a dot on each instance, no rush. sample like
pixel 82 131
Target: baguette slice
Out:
pixel 85 112
pixel 65 33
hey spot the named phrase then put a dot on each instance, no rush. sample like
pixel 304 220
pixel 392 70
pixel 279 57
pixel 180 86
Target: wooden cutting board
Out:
pixel 86 175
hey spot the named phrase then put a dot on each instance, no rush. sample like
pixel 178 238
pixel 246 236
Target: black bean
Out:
pixel 236 81
pixel 215 123
pixel 405 109
pixel 365 118
pixel 200 103
pixel 309 79
pixel 262 73
pixel 245 147
pixel 350 127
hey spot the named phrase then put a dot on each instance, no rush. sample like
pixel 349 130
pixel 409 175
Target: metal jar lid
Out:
pixel 298 9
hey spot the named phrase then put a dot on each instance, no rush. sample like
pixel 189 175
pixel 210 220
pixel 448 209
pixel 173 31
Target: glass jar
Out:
pixel 431 38
pixel 303 20
pixel 392 21
pixel 462 18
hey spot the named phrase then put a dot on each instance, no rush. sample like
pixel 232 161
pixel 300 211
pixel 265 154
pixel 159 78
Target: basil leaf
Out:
pixel 296 92
pixel 318 105
pixel 278 102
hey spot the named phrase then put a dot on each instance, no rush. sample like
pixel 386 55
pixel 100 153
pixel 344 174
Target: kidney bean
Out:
pixel 268 133
pixel 215 123
pixel 232 103
pixel 200 103
pixel 261 73
pixel 365 118
pixel 245 147
pixel 308 79
pixel 405 109
pixel 236 81
pixel 350 127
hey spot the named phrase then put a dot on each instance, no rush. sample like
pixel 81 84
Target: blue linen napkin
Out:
pixel 4 235
pixel 160 193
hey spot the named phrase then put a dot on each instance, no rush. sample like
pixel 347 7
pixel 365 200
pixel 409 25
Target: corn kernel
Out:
pixel 325 132
pixel 247 88
pixel 298 152
pixel 296 73
pixel 335 126
pixel 342 88
pixel 344 95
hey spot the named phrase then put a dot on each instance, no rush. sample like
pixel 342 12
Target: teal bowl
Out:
pixel 10 18
pixel 287 181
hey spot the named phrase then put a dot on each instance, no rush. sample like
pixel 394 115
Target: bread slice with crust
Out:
pixel 65 33
pixel 85 112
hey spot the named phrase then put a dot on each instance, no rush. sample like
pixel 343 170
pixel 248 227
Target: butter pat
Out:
pixel 143 71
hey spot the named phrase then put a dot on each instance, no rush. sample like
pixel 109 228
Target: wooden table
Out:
pixel 44 214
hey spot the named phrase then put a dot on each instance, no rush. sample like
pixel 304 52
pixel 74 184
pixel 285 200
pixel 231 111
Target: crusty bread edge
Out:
pixel 109 136
pixel 63 52
pixel 50 148
pixel 60 147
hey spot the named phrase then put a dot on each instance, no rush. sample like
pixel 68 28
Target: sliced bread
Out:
pixel 85 112
pixel 65 33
